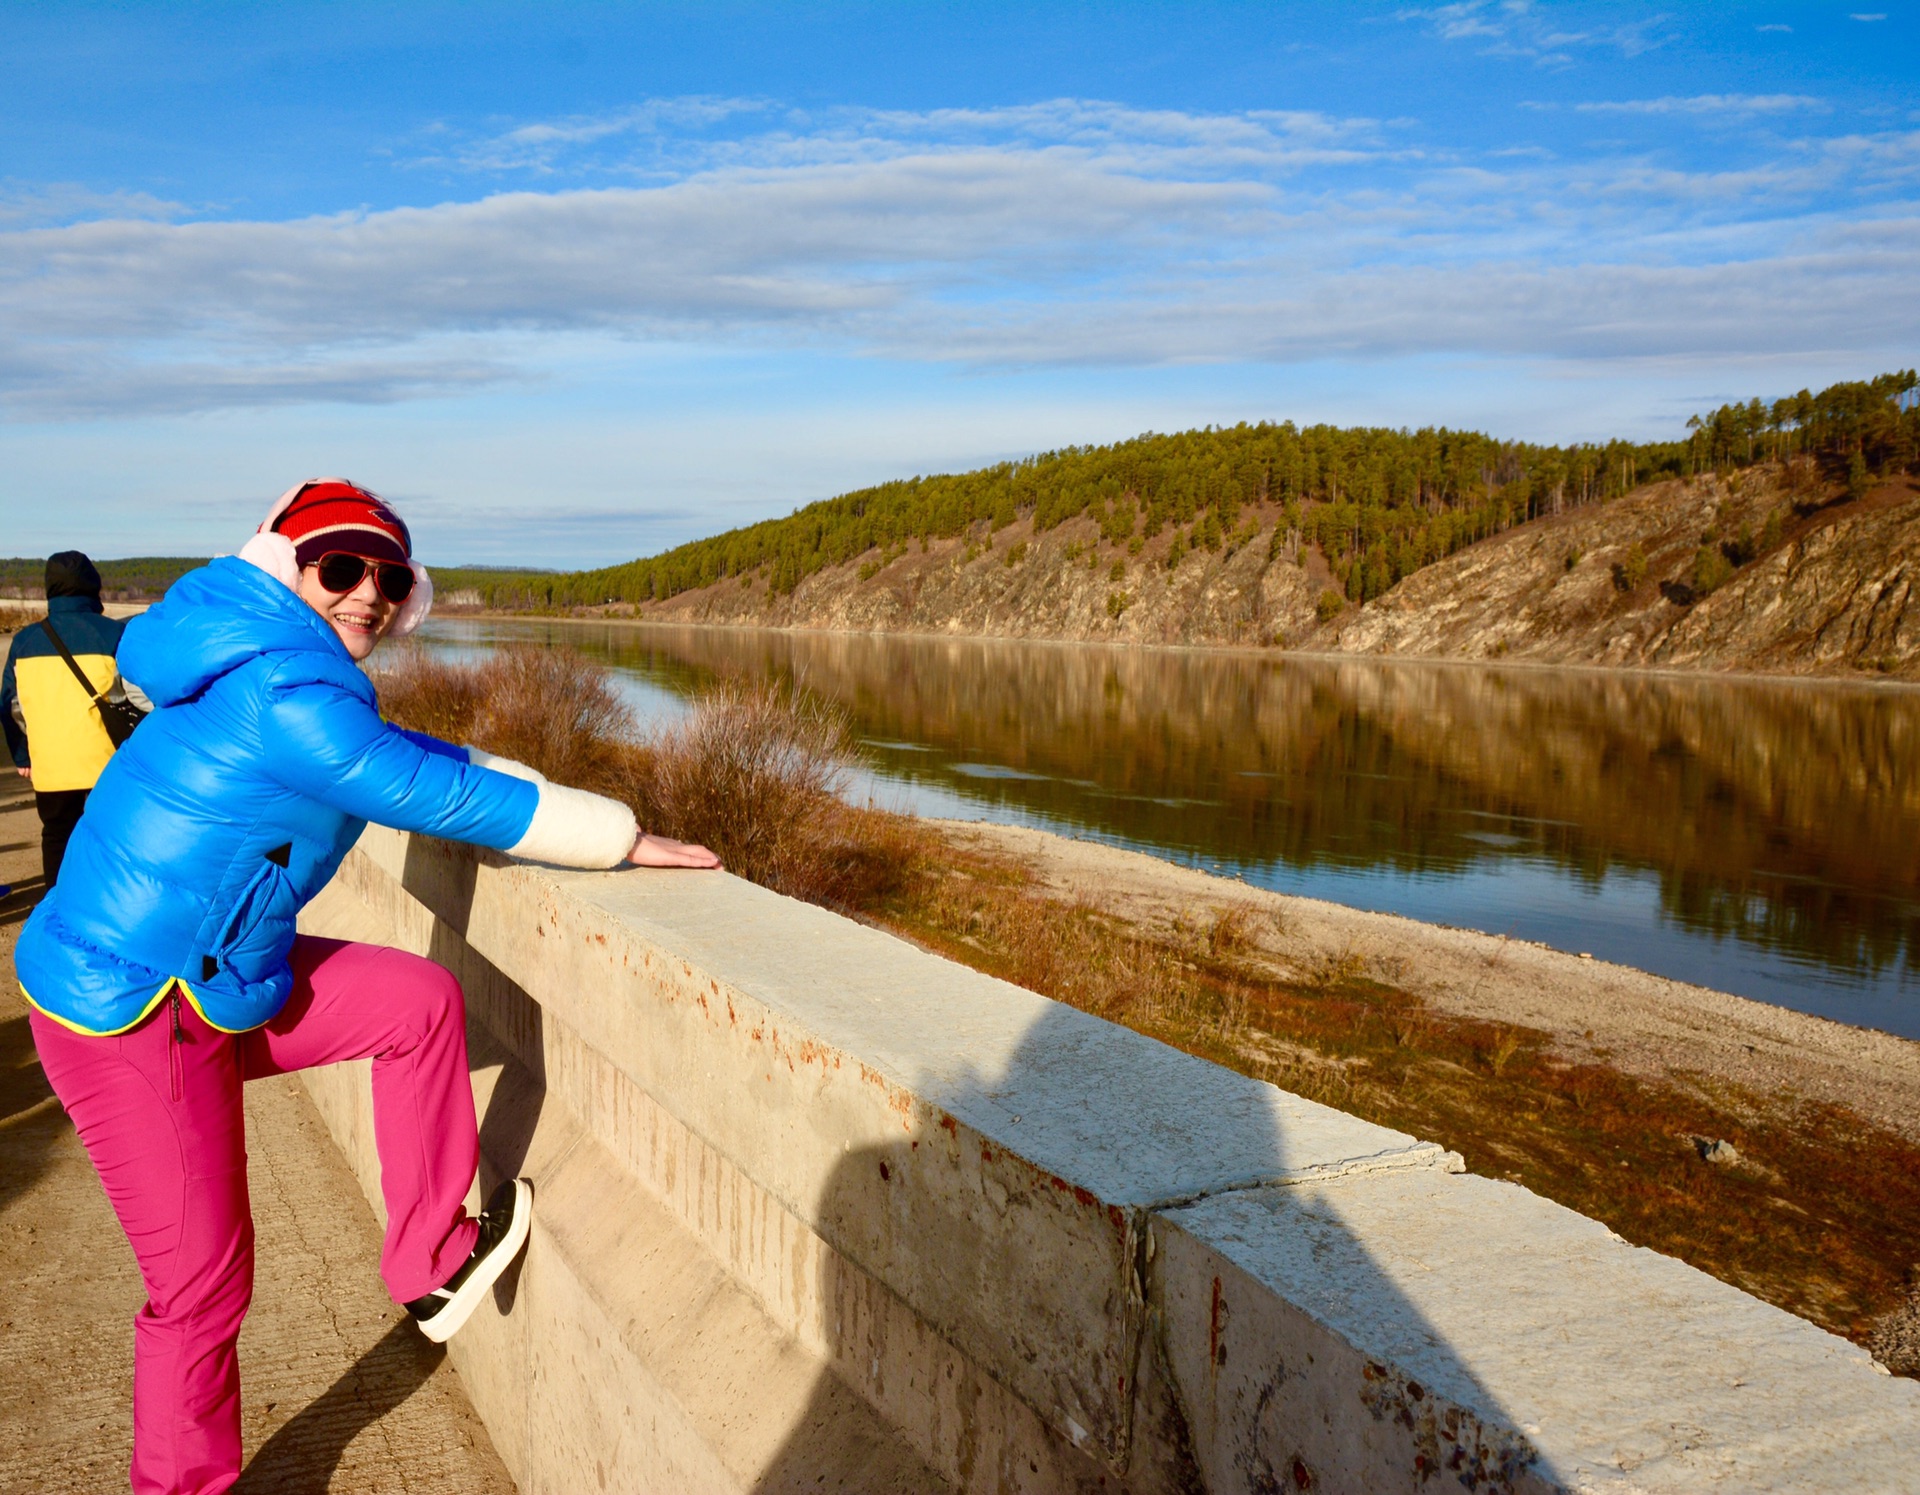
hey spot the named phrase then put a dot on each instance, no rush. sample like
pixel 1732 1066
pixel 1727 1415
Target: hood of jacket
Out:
pixel 71 574
pixel 214 620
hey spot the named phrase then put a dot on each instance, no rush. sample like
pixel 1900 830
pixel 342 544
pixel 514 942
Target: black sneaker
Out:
pixel 503 1231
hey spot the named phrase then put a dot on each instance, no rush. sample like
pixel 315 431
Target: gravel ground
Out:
pixel 340 1392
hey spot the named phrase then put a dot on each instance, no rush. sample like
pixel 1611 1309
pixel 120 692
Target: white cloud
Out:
pixel 1514 29
pixel 668 139
pixel 1776 26
pixel 1583 312
pixel 91 381
pixel 1069 234
pixel 1708 103
pixel 1878 15
pixel 544 145
pixel 23 205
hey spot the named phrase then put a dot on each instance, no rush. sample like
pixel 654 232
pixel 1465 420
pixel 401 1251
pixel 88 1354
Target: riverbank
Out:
pixel 1589 1010
pixel 1775 1150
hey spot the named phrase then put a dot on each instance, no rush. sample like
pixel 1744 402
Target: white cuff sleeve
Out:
pixel 506 766
pixel 572 828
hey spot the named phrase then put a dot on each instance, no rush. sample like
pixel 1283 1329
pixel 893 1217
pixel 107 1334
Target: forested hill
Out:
pixel 1370 506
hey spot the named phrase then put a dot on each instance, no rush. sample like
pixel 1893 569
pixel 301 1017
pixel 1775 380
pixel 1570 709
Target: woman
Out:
pixel 164 970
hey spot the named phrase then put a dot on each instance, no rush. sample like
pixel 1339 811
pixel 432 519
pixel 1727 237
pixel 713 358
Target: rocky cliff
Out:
pixel 1762 570
pixel 1829 587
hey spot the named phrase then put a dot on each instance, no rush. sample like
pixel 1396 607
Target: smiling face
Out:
pixel 361 617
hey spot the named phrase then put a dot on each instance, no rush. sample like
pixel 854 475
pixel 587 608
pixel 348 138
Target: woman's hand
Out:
pixel 658 851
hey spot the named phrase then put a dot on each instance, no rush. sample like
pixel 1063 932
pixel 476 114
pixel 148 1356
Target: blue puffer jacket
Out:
pixel 232 805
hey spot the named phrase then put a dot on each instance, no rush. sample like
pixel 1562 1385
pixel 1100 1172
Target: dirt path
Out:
pixel 340 1393
pixel 1643 1024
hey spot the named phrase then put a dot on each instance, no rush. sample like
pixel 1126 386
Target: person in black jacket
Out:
pixel 52 726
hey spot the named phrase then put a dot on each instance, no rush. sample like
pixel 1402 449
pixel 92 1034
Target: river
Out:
pixel 1758 837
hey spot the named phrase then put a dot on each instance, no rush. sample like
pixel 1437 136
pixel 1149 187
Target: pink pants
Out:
pixel 161 1118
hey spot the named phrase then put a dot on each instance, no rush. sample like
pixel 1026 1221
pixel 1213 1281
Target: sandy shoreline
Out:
pixel 1642 1024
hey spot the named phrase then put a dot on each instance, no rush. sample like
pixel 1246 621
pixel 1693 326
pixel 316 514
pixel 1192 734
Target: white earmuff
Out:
pixel 413 612
pixel 274 555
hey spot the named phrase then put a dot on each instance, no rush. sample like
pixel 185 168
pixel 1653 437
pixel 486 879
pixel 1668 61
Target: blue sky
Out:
pixel 573 283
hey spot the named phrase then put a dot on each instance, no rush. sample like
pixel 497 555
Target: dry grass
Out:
pixel 547 708
pixel 756 772
pixel 1236 929
pixel 1819 1217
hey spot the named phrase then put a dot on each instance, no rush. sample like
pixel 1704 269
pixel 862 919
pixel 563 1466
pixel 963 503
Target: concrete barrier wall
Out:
pixel 818 1210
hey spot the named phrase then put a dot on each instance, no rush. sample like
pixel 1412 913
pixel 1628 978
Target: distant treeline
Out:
pixel 140 579
pixel 146 578
pixel 1378 503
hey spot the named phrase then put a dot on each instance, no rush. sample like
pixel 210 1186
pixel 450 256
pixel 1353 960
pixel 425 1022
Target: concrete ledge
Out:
pixel 815 1203
pixel 1509 1340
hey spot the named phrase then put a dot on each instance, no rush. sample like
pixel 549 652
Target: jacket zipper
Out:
pixel 175 1040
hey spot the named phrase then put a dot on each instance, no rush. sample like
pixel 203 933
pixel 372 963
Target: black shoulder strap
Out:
pixel 72 663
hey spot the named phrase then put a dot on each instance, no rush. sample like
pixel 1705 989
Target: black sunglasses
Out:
pixel 340 572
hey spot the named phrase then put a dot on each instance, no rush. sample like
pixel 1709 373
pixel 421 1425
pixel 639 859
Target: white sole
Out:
pixel 449 1320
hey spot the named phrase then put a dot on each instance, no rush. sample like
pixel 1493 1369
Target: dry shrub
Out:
pixel 550 709
pixel 750 764
pixel 1499 1054
pixel 1232 931
pixel 428 694
pixel 557 712
pixel 1333 973
pixel 1242 929
pixel 758 771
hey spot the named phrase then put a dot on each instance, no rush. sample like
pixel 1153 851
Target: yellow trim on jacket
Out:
pixel 145 1012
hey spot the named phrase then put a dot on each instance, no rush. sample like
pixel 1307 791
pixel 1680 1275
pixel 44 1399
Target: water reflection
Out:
pixel 1753 836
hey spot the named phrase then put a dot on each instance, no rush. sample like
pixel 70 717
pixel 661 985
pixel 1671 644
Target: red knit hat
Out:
pixel 324 514
pixel 332 514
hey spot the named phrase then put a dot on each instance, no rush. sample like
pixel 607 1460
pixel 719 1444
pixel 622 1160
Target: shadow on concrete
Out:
pixel 503 1023
pixel 15 907
pixel 304 1453
pixel 31 1120
pixel 1091 1102
pixel 1090 1115
pixel 512 1114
